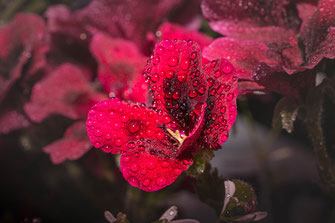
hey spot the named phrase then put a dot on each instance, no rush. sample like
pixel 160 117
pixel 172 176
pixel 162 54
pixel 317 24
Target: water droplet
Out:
pixel 131 145
pixel 169 74
pixel 134 167
pixel 98 132
pixel 149 132
pixel 210 82
pixel 161 181
pixel 186 162
pixel 230 96
pixel 227 88
pixel 182 78
pixel 176 95
pixel 227 69
pixel 220 89
pixel 185 63
pixel 156 60
pixel 194 55
pixel 190 42
pixel 232 108
pixel 202 89
pixel 217 73
pixel 133 126
pixel 118 142
pixel 160 50
pixel 126 159
pixel 173 61
pixel 223 109
pixel 133 181
pixel 193 94
pixel 159 135
pixel 151 165
pixel 108 136
pixel 155 77
pixel 195 83
pixel 144 171
pixel 165 164
pixel 146 182
pixel 177 171
pixel 124 118
pixel 213 63
pixel 101 117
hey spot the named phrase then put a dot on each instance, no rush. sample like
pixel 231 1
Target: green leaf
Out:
pixel 285 114
pixel 211 188
pixel 201 157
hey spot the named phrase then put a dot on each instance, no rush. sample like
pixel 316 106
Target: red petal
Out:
pixel 115 126
pixel 12 120
pixel 277 80
pixel 118 18
pixel 318 34
pixel 72 146
pixel 221 110
pixel 174 31
pixel 20 41
pixel 151 172
pixel 64 91
pixel 244 55
pixel 120 67
pixel 232 17
pixel 177 82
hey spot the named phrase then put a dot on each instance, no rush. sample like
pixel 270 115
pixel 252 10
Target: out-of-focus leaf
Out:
pixel 314 117
pixel 200 159
pixel 257 216
pixel 211 188
pixel 285 114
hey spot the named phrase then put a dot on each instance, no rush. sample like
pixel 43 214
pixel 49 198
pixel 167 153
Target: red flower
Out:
pixel 193 105
pixel 272 27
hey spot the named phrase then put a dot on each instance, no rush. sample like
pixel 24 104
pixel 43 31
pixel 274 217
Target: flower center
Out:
pixel 179 137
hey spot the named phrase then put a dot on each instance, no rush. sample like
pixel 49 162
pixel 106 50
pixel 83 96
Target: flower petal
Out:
pixel 72 146
pixel 115 126
pixel 276 79
pixel 20 42
pixel 12 120
pixel 221 112
pixel 318 35
pixel 177 82
pixel 64 91
pixel 174 31
pixel 120 67
pixel 233 18
pixel 149 171
pixel 123 19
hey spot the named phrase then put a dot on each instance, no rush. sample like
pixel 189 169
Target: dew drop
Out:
pixel 133 181
pixel 151 165
pixel 159 135
pixel 217 74
pixel 160 50
pixel 146 182
pixel 227 69
pixel 155 77
pixel 118 142
pixel 165 164
pixel 169 74
pixel 182 78
pixel 194 55
pixel 210 82
pixel 230 96
pixel 161 181
pixel 143 171
pixel 232 108
pixel 124 118
pixel 98 132
pixel 134 167
pixel 176 95
pixel 193 94
pixel 202 90
pixel 156 60
pixel 173 61
pixel 213 63
pixel 101 117
pixel 185 64
pixel 186 162
pixel 108 136
pixel 177 171
pixel 126 159
pixel 133 126
pixel 195 83
pixel 223 109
